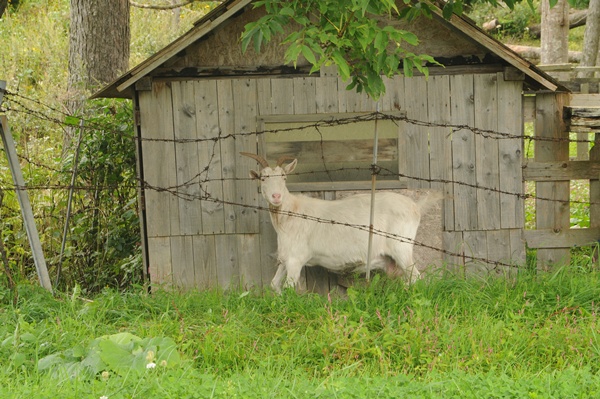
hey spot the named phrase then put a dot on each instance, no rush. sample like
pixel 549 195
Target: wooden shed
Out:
pixel 200 101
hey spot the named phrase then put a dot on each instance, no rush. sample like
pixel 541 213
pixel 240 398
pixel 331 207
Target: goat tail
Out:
pixel 428 201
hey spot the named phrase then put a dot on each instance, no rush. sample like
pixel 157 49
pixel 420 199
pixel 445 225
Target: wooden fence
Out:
pixel 553 170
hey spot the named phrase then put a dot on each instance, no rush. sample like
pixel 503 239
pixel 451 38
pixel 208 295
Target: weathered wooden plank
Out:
pixel 584 100
pixel 186 155
pixel 305 95
pixel 528 108
pixel 250 261
pixel 583 146
pixel 228 154
pixel 228 268
pixel 268 248
pixel 440 158
pixel 486 148
pixel 326 95
pixel 343 96
pixel 156 118
pixel 334 151
pixel 452 245
pixel 518 252
pixel 463 152
pixel 476 252
pixel 564 238
pixel 263 97
pixel 244 96
pixel 346 185
pixel 205 262
pixel 417 144
pixel 393 101
pixel 282 91
pixel 23 198
pixel 182 261
pixel 209 156
pixel 499 250
pixel 141 196
pixel 595 190
pixel 160 265
pixel 510 156
pixel 561 170
pixel 553 214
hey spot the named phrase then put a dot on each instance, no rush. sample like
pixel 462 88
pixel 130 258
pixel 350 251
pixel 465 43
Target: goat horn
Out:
pixel 263 162
pixel 284 158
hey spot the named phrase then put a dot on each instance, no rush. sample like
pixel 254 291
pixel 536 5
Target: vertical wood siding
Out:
pixel 194 240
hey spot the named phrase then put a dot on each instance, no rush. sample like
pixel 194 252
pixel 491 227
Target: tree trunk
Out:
pixel 98 50
pixel 576 18
pixel 555 32
pixel 98 42
pixel 591 38
pixel 3 5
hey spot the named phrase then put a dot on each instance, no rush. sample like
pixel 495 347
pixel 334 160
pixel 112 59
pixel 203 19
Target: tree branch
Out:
pixel 163 7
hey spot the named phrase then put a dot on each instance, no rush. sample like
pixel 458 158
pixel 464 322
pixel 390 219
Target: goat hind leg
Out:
pixel 279 276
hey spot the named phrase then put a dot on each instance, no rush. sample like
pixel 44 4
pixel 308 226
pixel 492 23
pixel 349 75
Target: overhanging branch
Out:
pixel 163 7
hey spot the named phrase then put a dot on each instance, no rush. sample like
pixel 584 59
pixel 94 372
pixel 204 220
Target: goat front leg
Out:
pixel 294 267
pixel 279 276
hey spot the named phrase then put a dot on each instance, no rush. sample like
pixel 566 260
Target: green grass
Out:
pixel 532 336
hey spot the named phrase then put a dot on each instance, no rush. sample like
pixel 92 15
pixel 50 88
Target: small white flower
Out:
pixel 151 365
pixel 103 397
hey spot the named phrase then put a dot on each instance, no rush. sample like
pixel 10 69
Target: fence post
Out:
pixel 595 193
pixel 23 197
pixel 552 198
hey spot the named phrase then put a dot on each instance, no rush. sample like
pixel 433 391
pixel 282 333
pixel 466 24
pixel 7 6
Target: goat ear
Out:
pixel 289 168
pixel 254 174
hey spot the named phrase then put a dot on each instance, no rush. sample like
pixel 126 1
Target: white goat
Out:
pixel 313 232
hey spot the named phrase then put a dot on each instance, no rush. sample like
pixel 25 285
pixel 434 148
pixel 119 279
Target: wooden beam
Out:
pixel 585 100
pixel 347 185
pixel 23 197
pixel 498 48
pixel 557 171
pixel 562 238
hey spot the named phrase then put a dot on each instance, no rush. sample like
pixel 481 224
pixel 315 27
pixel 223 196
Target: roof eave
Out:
pixel 122 86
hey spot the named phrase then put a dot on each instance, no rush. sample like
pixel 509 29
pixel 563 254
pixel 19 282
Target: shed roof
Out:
pixel 205 28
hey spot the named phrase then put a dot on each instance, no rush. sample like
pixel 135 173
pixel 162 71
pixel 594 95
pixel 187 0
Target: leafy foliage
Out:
pixel 347 34
pixel 104 235
pixel 121 353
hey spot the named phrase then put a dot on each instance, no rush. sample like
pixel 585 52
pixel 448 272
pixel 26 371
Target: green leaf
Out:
pixel 308 54
pixel 410 38
pixel 249 32
pixel 343 67
pixel 407 66
pixel 287 11
pixel 381 41
pixel 292 53
pixel 447 10
pixel 115 356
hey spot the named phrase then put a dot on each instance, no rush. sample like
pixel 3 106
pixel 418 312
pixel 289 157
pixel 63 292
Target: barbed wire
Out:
pixel 197 179
pixel 328 122
pixel 202 178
